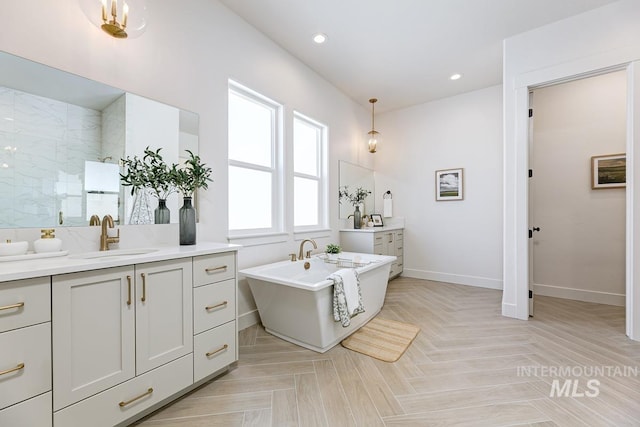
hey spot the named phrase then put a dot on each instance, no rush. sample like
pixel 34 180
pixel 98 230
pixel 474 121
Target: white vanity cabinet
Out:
pixel 379 242
pixel 25 353
pixel 104 340
pixel 214 313
pixel 114 325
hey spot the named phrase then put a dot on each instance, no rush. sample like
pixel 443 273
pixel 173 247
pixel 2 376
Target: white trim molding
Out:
pixel 459 279
pixel 579 294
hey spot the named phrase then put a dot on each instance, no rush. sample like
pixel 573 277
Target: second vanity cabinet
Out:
pixel 376 241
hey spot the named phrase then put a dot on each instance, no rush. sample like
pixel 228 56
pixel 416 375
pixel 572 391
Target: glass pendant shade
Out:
pixel 373 134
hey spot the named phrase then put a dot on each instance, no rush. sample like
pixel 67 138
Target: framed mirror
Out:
pixel 354 176
pixel 61 140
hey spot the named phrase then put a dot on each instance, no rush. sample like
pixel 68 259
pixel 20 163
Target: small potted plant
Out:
pixel 332 250
pixel 187 180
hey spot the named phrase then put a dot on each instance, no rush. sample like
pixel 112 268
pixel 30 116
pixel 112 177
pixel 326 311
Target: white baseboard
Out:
pixel 481 282
pixel 580 295
pixel 509 310
pixel 248 319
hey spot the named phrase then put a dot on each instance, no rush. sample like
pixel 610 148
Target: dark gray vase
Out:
pixel 162 214
pixel 187 216
pixel 357 218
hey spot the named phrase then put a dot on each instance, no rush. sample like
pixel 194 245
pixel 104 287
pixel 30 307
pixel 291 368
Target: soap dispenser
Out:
pixel 47 242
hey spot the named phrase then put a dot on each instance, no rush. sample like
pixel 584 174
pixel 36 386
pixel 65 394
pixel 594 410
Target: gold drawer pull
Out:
pixel 211 353
pixel 9 307
pixel 211 307
pixel 146 393
pixel 17 368
pixel 214 269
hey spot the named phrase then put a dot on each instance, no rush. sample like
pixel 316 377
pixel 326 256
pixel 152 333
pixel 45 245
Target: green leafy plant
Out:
pixel 355 198
pixel 192 176
pixel 333 249
pixel 150 172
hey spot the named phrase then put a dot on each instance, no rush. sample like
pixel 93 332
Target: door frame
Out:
pixel 516 194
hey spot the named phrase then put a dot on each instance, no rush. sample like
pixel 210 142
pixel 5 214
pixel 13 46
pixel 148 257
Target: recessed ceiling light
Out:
pixel 455 76
pixel 320 38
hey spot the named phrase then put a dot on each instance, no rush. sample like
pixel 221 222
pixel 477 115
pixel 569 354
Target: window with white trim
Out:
pixel 255 196
pixel 309 174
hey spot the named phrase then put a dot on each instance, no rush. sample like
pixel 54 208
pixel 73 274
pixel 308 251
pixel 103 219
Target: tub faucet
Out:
pixel 301 254
pixel 107 222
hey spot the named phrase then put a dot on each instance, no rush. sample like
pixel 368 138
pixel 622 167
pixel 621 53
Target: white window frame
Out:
pixel 322 178
pixel 274 233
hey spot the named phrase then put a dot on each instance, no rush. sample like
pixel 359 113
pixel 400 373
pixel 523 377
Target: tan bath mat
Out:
pixel 382 339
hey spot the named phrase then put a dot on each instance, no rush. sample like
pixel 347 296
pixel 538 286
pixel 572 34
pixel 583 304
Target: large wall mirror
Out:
pixel 61 140
pixel 354 176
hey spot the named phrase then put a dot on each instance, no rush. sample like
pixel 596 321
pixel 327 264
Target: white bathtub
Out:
pixel 297 304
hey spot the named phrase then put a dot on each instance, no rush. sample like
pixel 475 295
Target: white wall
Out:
pixel 452 241
pixel 579 252
pixel 602 38
pixel 185 59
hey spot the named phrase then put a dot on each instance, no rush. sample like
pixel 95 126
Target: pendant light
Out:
pixel 373 134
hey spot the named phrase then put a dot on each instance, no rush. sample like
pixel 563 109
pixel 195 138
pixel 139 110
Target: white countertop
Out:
pixel 26 269
pixel 373 229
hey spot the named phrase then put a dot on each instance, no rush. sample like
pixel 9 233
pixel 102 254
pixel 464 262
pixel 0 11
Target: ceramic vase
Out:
pixel 187 216
pixel 162 215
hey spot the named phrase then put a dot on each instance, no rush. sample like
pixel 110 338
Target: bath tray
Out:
pixel 346 263
pixel 32 255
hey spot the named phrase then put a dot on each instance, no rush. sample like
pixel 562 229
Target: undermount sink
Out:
pixel 114 253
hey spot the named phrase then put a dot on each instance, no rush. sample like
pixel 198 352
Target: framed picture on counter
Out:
pixel 377 220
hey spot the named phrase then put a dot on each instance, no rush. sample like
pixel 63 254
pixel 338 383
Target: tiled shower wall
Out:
pixel 43 146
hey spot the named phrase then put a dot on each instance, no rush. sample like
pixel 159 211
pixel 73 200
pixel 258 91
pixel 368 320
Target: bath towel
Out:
pixel 347 298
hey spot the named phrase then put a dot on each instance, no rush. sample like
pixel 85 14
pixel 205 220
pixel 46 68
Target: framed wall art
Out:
pixel 449 184
pixel 609 171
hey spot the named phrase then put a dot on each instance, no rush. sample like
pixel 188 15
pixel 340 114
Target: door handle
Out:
pixel 532 230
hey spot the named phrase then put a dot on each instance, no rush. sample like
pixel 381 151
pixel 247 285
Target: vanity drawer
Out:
pixel 30 413
pixel 25 363
pixel 214 305
pixel 104 408
pixel 213 268
pixel 24 303
pixel 213 350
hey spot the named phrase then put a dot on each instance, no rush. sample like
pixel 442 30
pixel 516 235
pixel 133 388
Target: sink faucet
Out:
pixel 301 254
pixel 105 240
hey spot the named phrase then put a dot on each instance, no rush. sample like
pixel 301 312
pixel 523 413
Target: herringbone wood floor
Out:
pixel 462 370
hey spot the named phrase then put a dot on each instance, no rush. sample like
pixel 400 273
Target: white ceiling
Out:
pixel 403 51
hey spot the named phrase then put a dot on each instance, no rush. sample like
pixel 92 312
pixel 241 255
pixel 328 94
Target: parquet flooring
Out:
pixel 467 367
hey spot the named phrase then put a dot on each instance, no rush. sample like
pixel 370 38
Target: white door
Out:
pixel 93 333
pixel 164 325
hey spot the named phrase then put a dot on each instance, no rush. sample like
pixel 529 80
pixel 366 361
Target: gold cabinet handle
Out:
pixel 211 353
pixel 128 290
pixel 17 368
pixel 9 307
pixel 214 269
pixel 144 287
pixel 211 307
pixel 146 393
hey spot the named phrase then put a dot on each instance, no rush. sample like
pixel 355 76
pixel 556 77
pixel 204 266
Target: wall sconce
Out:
pixel 373 134
pixel 113 27
pixel 118 18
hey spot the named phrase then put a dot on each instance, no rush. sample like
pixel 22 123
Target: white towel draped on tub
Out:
pixel 347 298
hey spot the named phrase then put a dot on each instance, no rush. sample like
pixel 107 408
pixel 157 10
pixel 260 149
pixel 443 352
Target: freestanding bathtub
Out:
pixel 296 304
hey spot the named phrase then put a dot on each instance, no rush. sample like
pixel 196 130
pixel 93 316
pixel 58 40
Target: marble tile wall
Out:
pixel 43 146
